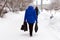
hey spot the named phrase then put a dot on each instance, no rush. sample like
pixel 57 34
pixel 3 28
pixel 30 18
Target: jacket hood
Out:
pixel 30 7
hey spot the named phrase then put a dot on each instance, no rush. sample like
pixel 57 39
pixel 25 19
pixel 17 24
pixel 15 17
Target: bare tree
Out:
pixel 19 4
pixel 1 14
pixel 15 5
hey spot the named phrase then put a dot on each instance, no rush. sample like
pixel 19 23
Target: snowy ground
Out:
pixel 49 29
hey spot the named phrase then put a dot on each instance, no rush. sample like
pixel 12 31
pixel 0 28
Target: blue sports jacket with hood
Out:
pixel 30 15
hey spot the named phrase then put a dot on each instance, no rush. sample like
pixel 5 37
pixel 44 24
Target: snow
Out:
pixel 49 29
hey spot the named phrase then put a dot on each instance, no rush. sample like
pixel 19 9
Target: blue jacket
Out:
pixel 30 15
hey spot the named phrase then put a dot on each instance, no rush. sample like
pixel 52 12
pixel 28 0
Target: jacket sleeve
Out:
pixel 35 16
pixel 25 16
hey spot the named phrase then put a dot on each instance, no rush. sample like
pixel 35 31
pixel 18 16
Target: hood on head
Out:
pixel 30 7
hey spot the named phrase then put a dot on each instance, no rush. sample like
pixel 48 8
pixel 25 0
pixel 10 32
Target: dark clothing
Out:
pixel 31 29
pixel 30 18
pixel 30 15
pixel 37 11
pixel 36 25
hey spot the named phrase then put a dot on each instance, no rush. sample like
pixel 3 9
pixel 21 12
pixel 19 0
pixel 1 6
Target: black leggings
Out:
pixel 31 28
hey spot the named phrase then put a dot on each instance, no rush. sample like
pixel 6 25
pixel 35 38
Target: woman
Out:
pixel 37 10
pixel 30 18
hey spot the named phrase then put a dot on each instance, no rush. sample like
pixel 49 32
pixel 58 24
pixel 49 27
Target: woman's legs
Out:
pixel 31 29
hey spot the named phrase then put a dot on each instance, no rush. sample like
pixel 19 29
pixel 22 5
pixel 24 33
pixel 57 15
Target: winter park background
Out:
pixel 49 29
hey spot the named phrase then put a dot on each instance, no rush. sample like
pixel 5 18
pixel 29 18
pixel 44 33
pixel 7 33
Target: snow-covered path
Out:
pixel 11 23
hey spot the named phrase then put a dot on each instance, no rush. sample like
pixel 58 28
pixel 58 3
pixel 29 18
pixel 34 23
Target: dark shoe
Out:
pixel 30 34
